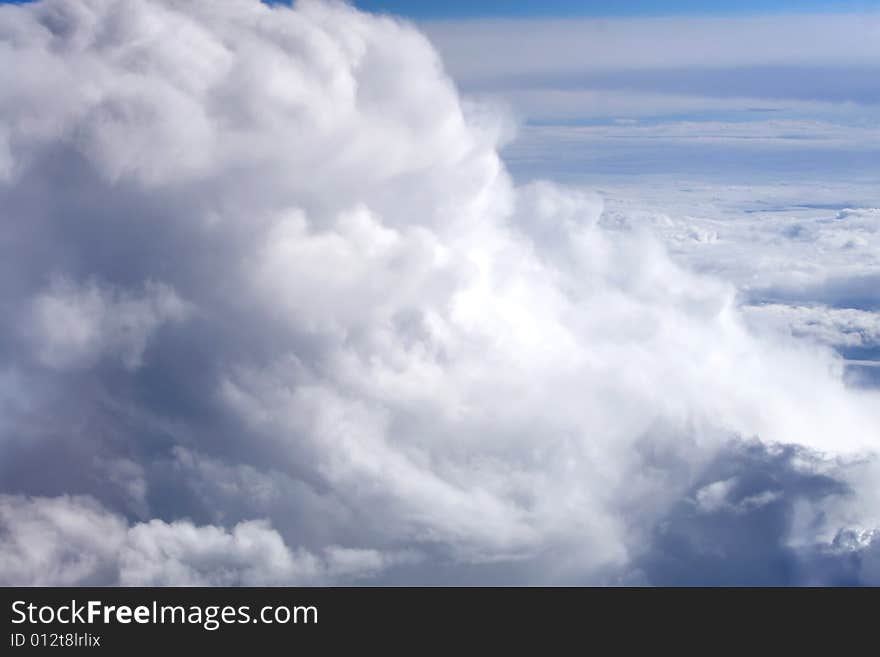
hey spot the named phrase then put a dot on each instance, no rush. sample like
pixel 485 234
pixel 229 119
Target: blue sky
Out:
pixel 567 8
pixel 428 9
pixel 738 89
pixel 745 94
pixel 421 9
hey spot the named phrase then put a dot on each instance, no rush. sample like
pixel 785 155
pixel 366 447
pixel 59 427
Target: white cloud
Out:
pixel 843 327
pixel 715 497
pixel 72 541
pixel 72 325
pixel 387 328
pixel 62 541
pixel 249 554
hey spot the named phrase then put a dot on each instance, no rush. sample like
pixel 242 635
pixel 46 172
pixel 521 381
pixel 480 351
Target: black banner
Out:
pixel 118 620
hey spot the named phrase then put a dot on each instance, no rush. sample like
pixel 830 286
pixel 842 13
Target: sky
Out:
pixel 420 9
pixel 645 95
pixel 312 295
pixel 573 8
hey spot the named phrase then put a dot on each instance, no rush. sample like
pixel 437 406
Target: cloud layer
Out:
pixel 273 311
pixel 581 67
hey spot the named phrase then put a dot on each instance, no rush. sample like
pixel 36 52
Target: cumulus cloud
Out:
pixel 73 325
pixel 843 327
pixel 350 346
pixel 74 541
